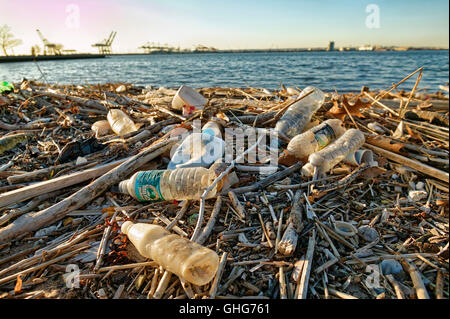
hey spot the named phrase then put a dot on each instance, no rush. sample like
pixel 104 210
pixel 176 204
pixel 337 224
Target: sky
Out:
pixel 232 24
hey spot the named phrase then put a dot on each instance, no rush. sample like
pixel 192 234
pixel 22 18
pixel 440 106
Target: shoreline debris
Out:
pixel 382 209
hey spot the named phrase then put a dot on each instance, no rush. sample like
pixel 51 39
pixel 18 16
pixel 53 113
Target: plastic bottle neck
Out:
pixel 123 187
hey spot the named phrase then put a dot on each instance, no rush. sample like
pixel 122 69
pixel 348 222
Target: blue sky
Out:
pixel 229 24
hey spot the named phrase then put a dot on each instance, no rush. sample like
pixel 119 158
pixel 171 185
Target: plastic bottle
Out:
pixel 188 260
pixel 101 128
pixel 299 114
pixel 325 159
pixel 120 123
pixel 188 100
pixel 311 141
pixel 199 149
pixel 178 184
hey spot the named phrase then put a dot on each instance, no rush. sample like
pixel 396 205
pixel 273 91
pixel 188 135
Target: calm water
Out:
pixel 343 71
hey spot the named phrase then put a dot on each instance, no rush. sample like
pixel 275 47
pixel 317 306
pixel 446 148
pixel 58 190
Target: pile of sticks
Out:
pixel 360 232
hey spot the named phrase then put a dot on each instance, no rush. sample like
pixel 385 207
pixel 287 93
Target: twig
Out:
pixel 221 268
pixel 302 287
pixel 211 222
pixel 218 179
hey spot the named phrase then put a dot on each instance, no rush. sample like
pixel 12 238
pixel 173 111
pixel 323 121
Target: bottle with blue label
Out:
pixel 311 141
pixel 179 184
pixel 200 149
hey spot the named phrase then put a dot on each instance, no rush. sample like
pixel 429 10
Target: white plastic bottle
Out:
pixel 101 128
pixel 120 123
pixel 188 260
pixel 325 159
pixel 311 141
pixel 178 184
pixel 200 149
pixel 300 113
pixel 188 100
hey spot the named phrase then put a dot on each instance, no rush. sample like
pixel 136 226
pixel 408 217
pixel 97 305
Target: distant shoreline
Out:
pixel 31 58
pixel 26 58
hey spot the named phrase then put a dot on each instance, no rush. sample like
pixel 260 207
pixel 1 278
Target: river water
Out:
pixel 341 71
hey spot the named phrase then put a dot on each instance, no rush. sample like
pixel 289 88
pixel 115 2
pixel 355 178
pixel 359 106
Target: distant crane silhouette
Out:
pixel 51 48
pixel 152 47
pixel 104 47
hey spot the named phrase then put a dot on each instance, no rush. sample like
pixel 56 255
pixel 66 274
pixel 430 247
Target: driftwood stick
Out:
pixel 398 290
pixel 288 242
pixel 43 265
pixel 13 213
pixel 29 126
pixel 304 280
pixel 416 278
pixel 179 215
pixel 215 284
pixel 162 286
pixel 37 189
pixel 278 237
pixel 86 102
pixel 211 222
pixel 39 174
pixel 103 243
pixel 422 168
pixel 217 180
pixel 282 281
pixel 187 288
pixel 237 205
pixel 118 292
pixel 332 260
pixel 34 221
pixel 341 294
pixel 153 284
pixel 324 234
pixel 439 285
pixel 269 179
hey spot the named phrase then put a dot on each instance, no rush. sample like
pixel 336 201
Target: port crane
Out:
pixel 152 47
pixel 50 48
pixel 104 47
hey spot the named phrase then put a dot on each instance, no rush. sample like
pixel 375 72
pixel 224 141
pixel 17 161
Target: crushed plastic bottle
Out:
pixel 188 100
pixel 300 113
pixel 188 260
pixel 120 123
pixel 325 159
pixel 178 184
pixel 200 149
pixel 101 128
pixel 361 157
pixel 311 141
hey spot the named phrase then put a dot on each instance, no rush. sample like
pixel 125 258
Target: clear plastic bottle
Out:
pixel 299 114
pixel 120 123
pixel 199 149
pixel 178 184
pixel 188 260
pixel 101 128
pixel 311 141
pixel 325 159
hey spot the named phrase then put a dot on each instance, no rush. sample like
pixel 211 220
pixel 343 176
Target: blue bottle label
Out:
pixel 324 136
pixel 147 186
